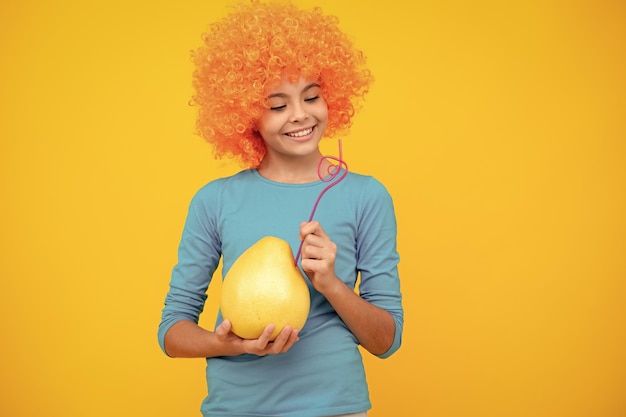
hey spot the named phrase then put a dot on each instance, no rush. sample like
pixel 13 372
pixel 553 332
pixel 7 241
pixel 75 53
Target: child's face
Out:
pixel 294 120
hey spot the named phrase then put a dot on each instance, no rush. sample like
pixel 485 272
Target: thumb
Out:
pixel 301 234
pixel 224 328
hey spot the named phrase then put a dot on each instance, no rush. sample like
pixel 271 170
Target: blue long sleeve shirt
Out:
pixel 322 374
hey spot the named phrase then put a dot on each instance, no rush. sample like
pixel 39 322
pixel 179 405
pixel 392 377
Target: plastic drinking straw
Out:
pixel 333 172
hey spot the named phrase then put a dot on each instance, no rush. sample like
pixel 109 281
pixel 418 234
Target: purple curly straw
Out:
pixel 333 171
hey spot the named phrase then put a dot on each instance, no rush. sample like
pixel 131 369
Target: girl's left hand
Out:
pixel 318 256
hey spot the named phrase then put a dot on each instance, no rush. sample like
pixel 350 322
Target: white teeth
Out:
pixel 300 133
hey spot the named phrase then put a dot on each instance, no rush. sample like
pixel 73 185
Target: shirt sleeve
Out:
pixel 198 257
pixel 378 258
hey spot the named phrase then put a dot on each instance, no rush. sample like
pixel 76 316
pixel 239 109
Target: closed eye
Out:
pixel 284 106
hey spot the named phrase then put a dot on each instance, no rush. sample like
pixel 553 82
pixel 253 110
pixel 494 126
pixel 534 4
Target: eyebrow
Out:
pixel 304 90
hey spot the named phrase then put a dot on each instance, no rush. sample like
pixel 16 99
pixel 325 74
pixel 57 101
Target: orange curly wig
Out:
pixel 250 51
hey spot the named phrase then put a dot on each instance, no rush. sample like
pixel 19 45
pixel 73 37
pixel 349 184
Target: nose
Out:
pixel 298 114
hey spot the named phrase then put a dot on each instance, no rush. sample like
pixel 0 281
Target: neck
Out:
pixel 293 170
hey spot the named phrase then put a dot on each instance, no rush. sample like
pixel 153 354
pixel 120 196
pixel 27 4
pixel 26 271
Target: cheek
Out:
pixel 264 123
pixel 325 109
pixel 324 116
pixel 268 126
pixel 321 111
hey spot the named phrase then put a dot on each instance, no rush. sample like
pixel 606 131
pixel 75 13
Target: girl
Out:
pixel 271 81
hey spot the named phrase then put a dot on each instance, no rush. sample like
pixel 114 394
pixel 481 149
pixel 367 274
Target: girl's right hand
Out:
pixel 261 346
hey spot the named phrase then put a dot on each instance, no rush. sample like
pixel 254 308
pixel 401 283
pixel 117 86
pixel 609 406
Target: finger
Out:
pixel 310 251
pixel 312 228
pixel 281 339
pixel 316 248
pixel 304 230
pixel 264 339
pixel 293 338
pixel 223 329
pixel 315 240
pixel 313 266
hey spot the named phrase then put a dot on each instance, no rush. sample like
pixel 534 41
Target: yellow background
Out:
pixel 498 127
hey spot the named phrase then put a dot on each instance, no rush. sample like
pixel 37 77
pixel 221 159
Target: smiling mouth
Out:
pixel 300 133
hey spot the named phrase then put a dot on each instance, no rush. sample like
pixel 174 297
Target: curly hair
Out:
pixel 250 51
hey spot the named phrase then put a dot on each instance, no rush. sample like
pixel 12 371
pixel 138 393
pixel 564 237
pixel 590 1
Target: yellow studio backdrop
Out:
pixel 498 127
